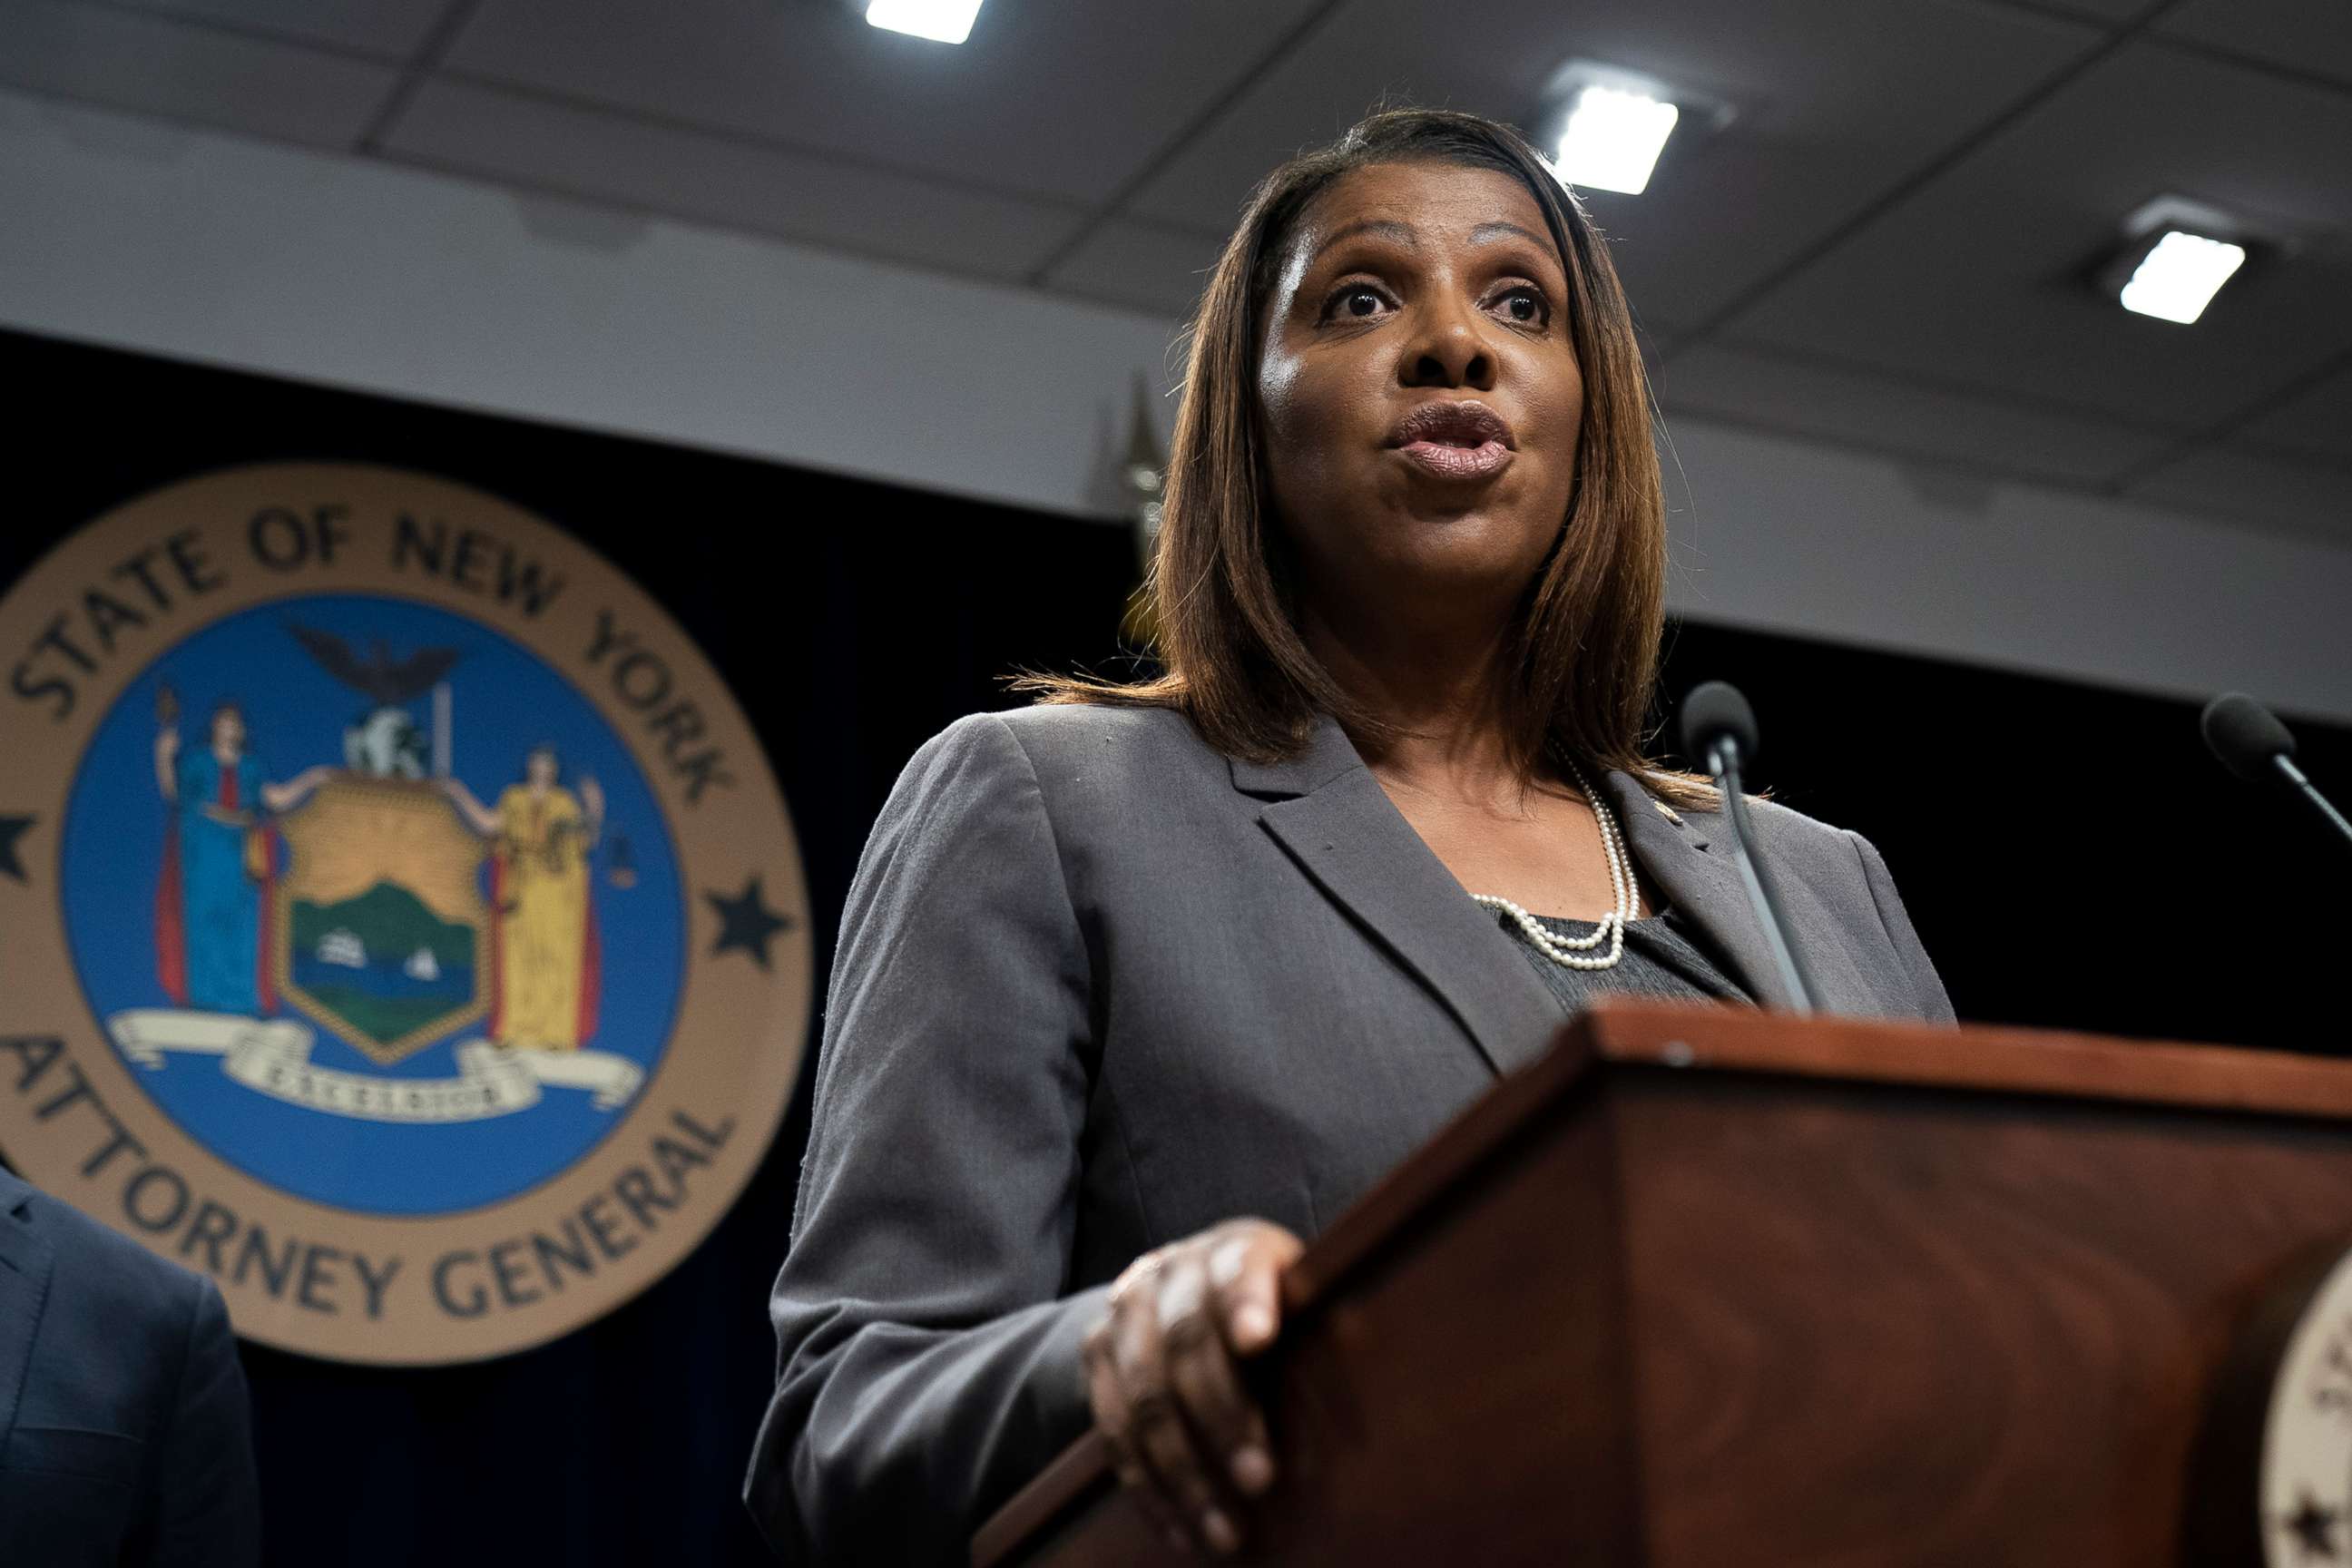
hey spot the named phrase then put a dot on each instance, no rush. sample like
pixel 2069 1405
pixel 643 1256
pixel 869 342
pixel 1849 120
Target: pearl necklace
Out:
pixel 1576 952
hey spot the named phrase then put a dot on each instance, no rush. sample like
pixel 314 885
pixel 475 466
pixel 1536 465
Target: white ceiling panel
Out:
pixel 2259 488
pixel 2309 36
pixel 182 71
pixel 2317 423
pixel 1062 98
pixel 1977 279
pixel 1147 266
pixel 726 181
pixel 391 28
pixel 1886 414
pixel 1834 102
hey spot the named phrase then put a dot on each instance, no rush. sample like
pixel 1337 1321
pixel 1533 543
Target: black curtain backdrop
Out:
pixel 2072 856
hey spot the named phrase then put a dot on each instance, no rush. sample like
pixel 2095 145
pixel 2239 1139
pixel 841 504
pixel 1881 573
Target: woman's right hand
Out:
pixel 1161 1374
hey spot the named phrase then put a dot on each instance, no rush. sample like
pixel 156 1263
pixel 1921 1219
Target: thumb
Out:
pixel 1247 1269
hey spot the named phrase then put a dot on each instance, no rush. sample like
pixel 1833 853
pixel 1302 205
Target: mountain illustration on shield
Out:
pixel 383 964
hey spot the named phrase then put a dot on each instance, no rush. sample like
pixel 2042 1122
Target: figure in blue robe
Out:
pixel 212 905
pixel 219 893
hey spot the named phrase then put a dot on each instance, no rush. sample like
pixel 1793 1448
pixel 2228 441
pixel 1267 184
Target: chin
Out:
pixel 1455 517
pixel 1462 547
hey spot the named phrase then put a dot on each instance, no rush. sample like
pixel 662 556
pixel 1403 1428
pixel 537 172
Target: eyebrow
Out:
pixel 1386 227
pixel 1499 228
pixel 1403 233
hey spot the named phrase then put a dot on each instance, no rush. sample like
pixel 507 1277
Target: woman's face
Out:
pixel 538 768
pixel 1420 393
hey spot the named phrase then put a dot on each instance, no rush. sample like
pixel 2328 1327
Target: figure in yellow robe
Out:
pixel 545 960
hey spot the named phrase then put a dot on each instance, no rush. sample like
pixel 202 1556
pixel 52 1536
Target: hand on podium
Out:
pixel 1188 1438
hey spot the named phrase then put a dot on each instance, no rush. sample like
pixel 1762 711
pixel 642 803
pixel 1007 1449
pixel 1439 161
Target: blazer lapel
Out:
pixel 1332 817
pixel 1675 853
pixel 25 1259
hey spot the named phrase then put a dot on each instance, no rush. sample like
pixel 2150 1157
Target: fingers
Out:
pixel 1245 1267
pixel 1227 1420
pixel 1185 1435
pixel 1207 1412
pixel 1163 1319
pixel 1115 1418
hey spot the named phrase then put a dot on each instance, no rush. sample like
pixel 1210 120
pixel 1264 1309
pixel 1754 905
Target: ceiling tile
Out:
pixel 152 65
pixel 2301 36
pixel 725 181
pixel 1818 131
pixel 1147 266
pixel 1062 98
pixel 2315 423
pixel 392 28
pixel 1978 279
pixel 1870 409
pixel 2257 488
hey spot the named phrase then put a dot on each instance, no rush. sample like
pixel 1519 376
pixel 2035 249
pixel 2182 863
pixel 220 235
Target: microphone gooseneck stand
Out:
pixel 2248 739
pixel 1720 727
pixel 2301 783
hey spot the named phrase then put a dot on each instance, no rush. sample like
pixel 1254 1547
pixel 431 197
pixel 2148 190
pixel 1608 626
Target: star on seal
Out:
pixel 2314 1529
pixel 746 922
pixel 12 828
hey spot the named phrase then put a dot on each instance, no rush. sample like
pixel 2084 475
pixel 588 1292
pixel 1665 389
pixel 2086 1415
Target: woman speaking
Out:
pixel 1142 985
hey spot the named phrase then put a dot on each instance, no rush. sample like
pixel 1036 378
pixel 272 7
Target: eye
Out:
pixel 1354 301
pixel 1526 306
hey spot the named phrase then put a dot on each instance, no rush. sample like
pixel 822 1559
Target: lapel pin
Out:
pixel 1667 812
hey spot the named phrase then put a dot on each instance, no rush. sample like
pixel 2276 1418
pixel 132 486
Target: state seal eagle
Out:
pixel 386 741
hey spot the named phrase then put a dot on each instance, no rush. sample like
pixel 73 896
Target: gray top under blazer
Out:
pixel 1100 986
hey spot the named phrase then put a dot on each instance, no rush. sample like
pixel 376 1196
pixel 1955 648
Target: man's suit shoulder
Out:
pixel 132 1383
pixel 110 1274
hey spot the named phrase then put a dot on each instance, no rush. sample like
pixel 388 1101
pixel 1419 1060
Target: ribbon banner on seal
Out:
pixel 273 1058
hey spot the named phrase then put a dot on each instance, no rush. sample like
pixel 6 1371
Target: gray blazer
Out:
pixel 1100 986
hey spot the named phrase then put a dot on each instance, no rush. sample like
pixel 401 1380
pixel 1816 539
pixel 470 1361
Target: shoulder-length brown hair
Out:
pixel 1585 643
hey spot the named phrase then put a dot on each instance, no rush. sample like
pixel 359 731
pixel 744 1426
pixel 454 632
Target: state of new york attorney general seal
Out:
pixel 398 920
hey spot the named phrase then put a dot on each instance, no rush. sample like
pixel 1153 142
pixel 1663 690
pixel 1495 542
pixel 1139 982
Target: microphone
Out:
pixel 1719 728
pixel 2252 743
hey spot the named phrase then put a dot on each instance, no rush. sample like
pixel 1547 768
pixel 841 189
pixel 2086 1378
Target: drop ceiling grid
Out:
pixel 1103 112
pixel 255 83
pixel 1059 98
pixel 1979 279
pixel 736 182
pixel 387 31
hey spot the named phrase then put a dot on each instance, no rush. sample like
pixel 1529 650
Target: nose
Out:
pixel 1447 350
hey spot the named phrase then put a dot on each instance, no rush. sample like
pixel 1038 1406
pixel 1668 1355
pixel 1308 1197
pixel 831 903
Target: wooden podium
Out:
pixel 1710 1287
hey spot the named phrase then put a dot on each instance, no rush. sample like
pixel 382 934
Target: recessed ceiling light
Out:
pixel 947 21
pixel 2179 276
pixel 1613 138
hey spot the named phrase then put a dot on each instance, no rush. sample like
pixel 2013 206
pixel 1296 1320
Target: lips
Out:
pixel 1454 440
pixel 1451 424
